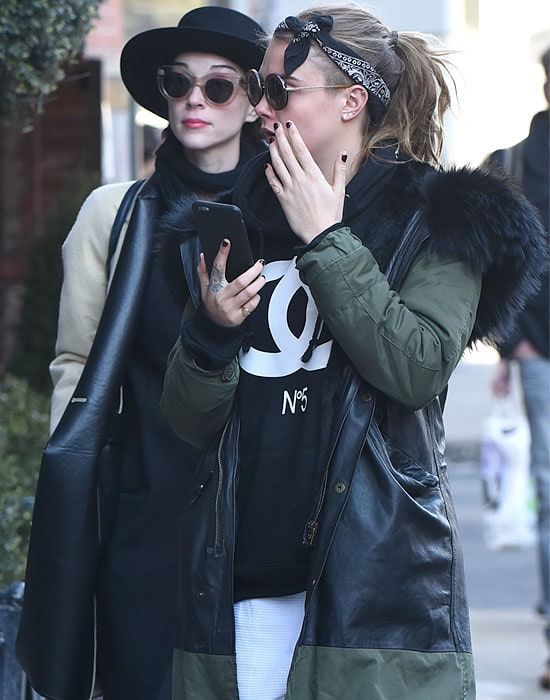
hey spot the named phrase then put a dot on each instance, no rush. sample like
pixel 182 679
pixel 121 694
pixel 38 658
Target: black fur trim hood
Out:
pixel 486 221
pixel 469 214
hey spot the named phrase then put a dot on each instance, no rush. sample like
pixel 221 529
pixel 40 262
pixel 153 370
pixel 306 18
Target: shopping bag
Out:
pixel 508 494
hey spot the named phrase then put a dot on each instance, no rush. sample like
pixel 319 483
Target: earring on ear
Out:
pixel 347 115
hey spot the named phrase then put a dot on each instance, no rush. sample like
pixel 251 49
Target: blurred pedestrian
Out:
pixel 320 549
pixel 192 75
pixel 529 344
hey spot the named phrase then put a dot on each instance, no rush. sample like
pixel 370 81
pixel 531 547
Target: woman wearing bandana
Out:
pixel 319 554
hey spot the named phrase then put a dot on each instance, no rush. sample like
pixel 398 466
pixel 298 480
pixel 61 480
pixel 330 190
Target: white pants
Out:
pixel 266 632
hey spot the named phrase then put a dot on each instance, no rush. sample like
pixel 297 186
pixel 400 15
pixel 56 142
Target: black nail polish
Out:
pixel 271 139
pixel 288 125
pixel 344 157
pixel 276 126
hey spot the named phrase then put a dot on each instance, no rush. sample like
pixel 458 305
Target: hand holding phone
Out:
pixel 216 221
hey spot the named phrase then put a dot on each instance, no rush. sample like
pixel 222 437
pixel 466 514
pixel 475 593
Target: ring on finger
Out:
pixel 245 311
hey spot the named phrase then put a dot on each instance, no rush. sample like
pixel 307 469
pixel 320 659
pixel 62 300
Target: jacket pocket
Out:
pixel 201 485
pixel 410 475
pixel 202 478
pixel 108 484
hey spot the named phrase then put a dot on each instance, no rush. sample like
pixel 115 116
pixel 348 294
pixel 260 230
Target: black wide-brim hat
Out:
pixel 211 29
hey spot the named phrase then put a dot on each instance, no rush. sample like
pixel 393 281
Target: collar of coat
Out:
pixel 469 215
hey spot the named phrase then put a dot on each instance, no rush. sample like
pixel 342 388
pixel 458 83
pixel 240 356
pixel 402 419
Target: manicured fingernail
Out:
pixel 344 157
pixel 276 126
pixel 271 139
pixel 261 260
pixel 288 125
pixel 225 242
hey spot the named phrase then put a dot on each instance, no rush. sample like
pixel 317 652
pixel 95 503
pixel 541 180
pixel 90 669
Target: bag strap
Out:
pixel 120 218
pixel 406 251
pixel 402 259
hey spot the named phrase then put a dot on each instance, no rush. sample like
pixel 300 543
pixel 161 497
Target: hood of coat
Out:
pixel 469 214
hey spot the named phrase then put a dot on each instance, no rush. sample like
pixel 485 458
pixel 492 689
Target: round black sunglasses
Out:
pixel 275 89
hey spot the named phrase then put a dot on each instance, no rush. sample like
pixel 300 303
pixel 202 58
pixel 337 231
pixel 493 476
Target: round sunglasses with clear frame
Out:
pixel 174 83
pixel 276 90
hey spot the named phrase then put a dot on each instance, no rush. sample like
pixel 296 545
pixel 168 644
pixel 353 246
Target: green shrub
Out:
pixel 36 38
pixel 36 327
pixel 24 418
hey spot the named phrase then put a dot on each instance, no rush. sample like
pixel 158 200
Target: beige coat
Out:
pixel 84 289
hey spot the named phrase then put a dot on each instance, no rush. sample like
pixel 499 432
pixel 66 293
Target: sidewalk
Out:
pixel 507 634
pixel 508 653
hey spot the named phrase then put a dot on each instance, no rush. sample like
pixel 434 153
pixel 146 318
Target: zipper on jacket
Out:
pixel 216 547
pixel 313 524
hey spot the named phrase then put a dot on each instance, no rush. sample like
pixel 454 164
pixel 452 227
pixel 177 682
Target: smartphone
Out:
pixel 216 221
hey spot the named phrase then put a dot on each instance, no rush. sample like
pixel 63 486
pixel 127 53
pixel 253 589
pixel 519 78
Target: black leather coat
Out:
pixel 71 514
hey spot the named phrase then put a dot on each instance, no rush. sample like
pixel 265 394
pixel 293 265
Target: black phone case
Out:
pixel 216 221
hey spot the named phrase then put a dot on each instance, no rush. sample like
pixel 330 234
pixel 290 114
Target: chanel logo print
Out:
pixel 290 343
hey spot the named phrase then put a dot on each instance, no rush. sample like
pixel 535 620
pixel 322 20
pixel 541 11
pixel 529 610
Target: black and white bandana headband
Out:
pixel 346 59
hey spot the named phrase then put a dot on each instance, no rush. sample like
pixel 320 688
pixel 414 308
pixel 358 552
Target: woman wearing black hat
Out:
pixel 112 607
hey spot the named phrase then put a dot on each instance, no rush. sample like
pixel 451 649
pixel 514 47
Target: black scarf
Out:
pixel 262 211
pixel 175 174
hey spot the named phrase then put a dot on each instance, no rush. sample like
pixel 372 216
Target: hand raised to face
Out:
pixel 311 203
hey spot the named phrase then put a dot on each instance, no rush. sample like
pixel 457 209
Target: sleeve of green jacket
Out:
pixel 196 402
pixel 405 344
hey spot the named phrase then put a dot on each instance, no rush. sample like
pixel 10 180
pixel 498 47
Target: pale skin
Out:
pixel 210 134
pixel 314 144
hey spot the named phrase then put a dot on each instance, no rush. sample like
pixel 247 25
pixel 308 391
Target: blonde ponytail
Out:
pixel 414 67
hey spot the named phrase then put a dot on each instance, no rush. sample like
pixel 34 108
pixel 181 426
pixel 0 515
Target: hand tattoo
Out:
pixel 216 279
